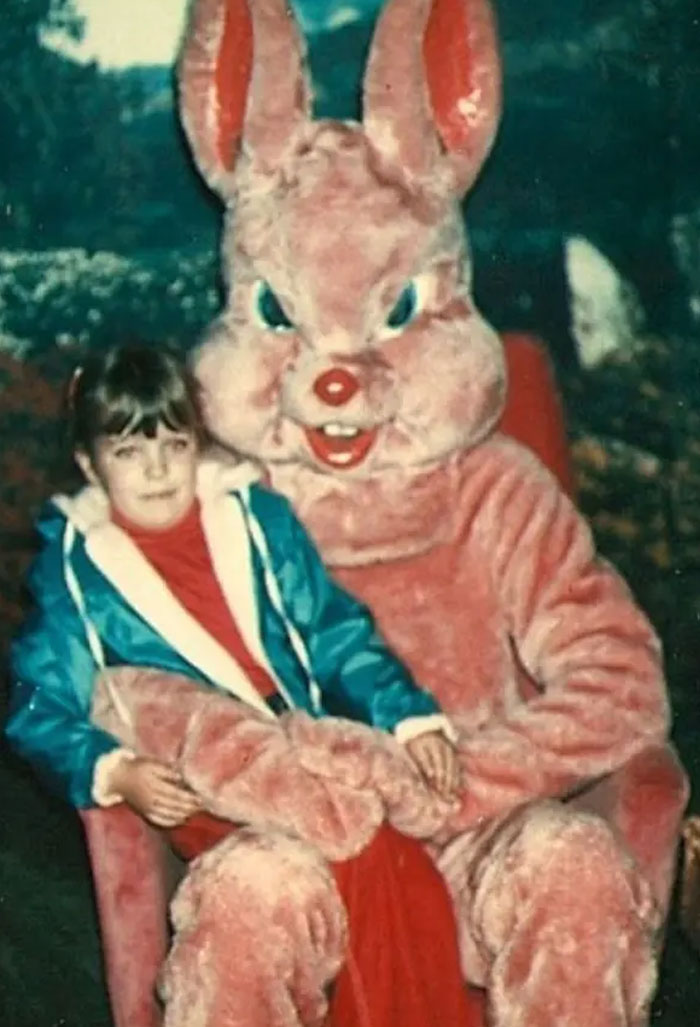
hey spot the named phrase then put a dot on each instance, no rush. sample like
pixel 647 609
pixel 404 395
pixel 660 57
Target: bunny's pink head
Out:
pixel 349 343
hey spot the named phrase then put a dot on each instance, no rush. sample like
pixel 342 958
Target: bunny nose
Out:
pixel 336 386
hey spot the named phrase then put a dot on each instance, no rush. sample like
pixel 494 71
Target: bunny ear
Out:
pixel 241 78
pixel 434 73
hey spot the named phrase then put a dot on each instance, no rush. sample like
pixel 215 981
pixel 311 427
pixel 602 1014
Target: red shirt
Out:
pixel 181 556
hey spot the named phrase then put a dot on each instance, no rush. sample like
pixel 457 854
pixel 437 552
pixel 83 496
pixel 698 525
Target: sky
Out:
pixel 123 32
pixel 119 33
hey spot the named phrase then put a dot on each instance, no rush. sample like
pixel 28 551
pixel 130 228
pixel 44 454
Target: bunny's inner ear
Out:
pixel 241 78
pixel 434 73
pixel 214 72
pixel 233 70
pixel 462 65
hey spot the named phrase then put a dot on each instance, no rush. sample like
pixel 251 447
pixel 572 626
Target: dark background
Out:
pixel 106 231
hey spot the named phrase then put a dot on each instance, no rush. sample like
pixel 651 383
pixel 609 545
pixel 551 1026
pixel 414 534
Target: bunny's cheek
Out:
pixel 492 404
pixel 341 453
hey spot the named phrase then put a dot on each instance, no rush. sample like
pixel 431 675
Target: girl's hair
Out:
pixel 132 388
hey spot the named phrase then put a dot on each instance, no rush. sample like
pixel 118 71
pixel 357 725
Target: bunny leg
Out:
pixel 260 932
pixel 555 920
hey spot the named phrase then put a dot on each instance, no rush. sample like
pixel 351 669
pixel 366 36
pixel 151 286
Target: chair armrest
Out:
pixel 133 874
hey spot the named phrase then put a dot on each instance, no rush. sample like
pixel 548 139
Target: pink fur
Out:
pixel 563 906
pixel 481 573
pixel 330 783
pixel 427 391
pixel 509 587
pixel 270 888
pixel 434 65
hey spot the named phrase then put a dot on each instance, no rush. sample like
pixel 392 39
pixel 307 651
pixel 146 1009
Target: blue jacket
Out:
pixel 100 603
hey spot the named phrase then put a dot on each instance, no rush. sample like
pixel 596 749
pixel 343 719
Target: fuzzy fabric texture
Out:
pixel 549 888
pixel 329 783
pixel 260 933
pixel 350 361
pixel 132 891
pixel 555 919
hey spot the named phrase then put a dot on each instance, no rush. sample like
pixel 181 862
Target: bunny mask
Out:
pixel 349 349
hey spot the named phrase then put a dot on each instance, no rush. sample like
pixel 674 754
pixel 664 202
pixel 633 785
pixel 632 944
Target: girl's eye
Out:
pixel 405 308
pixel 125 452
pixel 179 445
pixel 270 309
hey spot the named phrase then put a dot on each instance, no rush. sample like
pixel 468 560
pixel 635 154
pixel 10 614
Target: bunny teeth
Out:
pixel 340 445
pixel 334 430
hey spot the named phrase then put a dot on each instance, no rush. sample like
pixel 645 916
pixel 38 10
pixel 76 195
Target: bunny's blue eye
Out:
pixel 404 310
pixel 270 309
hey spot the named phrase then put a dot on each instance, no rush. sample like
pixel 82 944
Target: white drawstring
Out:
pixel 275 596
pixel 93 639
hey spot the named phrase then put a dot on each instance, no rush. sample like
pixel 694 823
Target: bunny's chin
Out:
pixel 340 451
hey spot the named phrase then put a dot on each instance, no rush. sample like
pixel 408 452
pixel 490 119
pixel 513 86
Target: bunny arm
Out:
pixel 328 782
pixel 576 631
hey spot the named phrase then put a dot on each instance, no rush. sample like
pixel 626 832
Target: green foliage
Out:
pixel 69 163
pixel 635 425
pixel 72 297
pixel 25 20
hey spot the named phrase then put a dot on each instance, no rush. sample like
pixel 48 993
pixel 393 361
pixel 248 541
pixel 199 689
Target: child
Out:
pixel 173 560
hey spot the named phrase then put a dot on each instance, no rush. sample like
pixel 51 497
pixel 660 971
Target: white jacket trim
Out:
pixel 102 791
pixel 274 595
pixel 413 727
pixel 236 576
pixel 123 564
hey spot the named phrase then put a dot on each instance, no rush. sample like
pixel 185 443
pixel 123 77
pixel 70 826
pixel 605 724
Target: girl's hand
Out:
pixel 154 790
pixel 436 758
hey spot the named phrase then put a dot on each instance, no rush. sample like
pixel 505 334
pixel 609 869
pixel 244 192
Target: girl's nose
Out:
pixel 156 462
pixel 336 386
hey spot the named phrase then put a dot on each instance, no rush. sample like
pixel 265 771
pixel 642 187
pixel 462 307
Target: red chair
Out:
pixel 135 872
pixel 533 413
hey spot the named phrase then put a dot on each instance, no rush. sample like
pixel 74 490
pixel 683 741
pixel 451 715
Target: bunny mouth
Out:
pixel 340 445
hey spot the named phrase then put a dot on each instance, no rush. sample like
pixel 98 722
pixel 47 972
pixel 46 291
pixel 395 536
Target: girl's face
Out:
pixel 149 481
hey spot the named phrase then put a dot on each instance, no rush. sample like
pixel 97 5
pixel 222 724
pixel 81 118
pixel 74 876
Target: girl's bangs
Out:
pixel 132 417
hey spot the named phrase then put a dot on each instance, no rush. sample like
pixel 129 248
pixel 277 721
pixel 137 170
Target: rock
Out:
pixel 606 314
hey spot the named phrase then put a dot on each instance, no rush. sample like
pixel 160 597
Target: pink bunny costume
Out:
pixel 351 362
